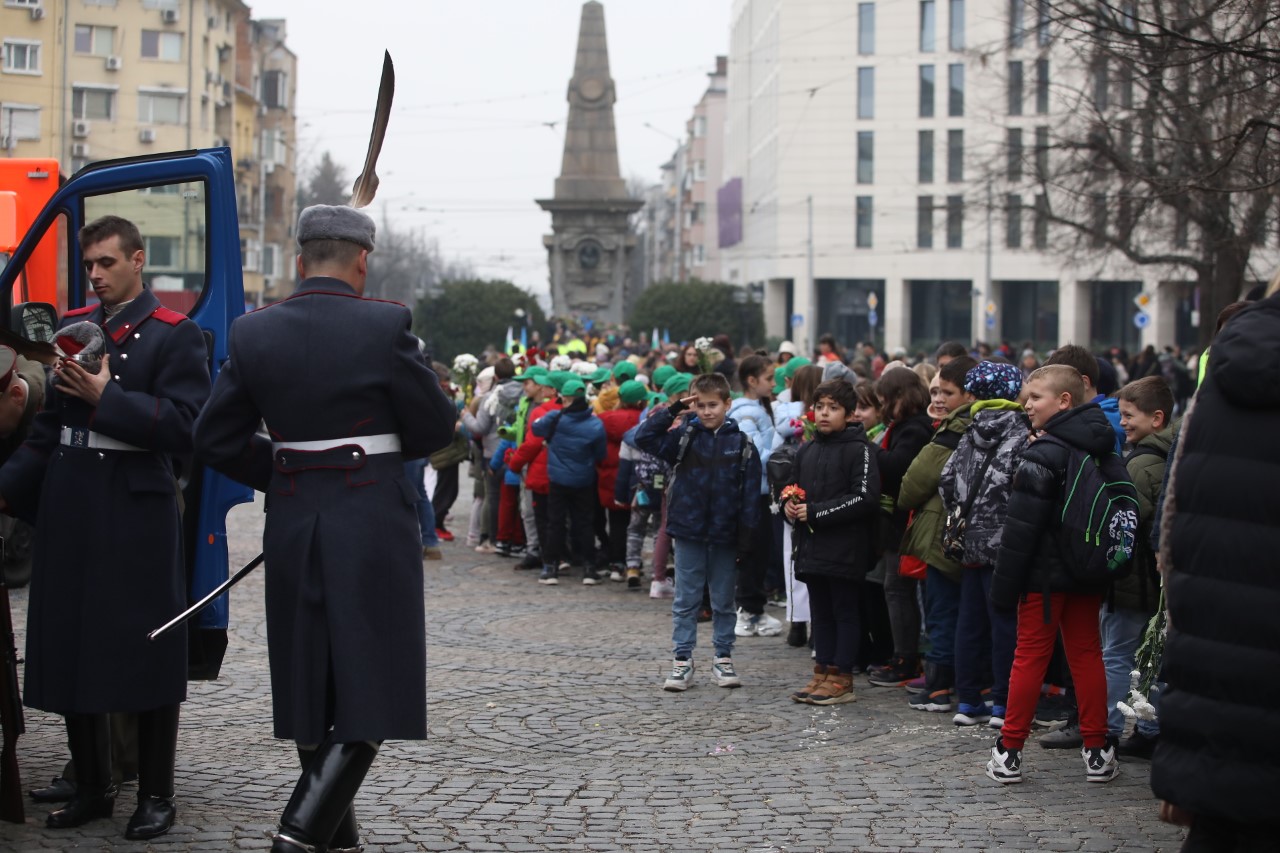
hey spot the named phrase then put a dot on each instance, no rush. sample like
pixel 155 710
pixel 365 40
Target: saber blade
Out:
pixel 204 602
pixel 367 184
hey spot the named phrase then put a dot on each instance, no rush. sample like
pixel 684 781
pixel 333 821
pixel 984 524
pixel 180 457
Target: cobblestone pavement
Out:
pixel 549 731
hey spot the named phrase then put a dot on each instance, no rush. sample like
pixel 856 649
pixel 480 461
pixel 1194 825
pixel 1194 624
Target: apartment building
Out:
pixel 699 238
pixel 877 180
pixel 86 80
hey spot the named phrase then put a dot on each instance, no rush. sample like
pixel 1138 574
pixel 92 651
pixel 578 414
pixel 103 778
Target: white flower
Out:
pixel 702 344
pixel 466 362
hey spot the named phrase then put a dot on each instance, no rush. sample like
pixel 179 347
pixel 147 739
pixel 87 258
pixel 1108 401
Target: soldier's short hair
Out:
pixel 324 252
pixel 106 227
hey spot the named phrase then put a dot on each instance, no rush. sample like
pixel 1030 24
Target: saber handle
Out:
pixel 204 602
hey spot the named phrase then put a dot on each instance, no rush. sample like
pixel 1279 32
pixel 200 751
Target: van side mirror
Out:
pixel 35 321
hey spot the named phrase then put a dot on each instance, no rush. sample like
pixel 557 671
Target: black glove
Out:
pixel 676 408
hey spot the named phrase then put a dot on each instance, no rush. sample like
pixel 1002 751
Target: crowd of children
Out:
pixel 921 522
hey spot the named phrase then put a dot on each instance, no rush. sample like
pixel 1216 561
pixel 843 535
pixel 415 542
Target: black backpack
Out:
pixel 781 464
pixel 1099 520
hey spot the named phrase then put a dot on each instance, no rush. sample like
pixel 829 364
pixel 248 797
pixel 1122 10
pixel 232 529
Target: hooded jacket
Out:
pixel 998 427
pixel 574 442
pixel 842 490
pixel 1222 585
pixel 1139 589
pixel 532 453
pixel 1031 557
pixel 905 439
pixel 484 424
pixel 919 493
pixel 617 423
pixel 757 425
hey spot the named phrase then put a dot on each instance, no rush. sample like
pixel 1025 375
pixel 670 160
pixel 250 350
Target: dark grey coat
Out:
pixel 345 613
pixel 107 565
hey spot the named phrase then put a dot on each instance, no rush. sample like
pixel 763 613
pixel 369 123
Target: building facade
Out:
pixel 699 225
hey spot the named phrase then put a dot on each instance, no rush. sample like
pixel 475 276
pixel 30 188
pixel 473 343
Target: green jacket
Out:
pixel 919 492
pixel 1139 590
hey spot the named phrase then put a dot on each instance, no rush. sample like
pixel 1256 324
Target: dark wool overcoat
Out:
pixel 345 611
pixel 107 565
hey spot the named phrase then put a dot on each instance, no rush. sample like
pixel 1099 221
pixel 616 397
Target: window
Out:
pixel 1017 23
pixel 20 121
pixel 924 222
pixel 699 170
pixel 1100 86
pixel 1181 225
pixel 866 93
pixel 955 36
pixel 955 90
pixel 862 237
pixel 1044 9
pixel 1013 145
pixel 1042 153
pixel 271 260
pixel 97 41
pixel 1099 220
pixel 1041 236
pixel 23 2
pixel 93 104
pixel 275 91
pixel 955 156
pixel 162 252
pixel 160 108
pixel 928 25
pixel 866 28
pixel 1015 87
pixel 162 45
pixel 1125 85
pixel 21 57
pixel 699 255
pixel 928 76
pixel 955 221
pixel 699 126
pixel 1042 86
pixel 1013 221
pixel 866 157
pixel 924 167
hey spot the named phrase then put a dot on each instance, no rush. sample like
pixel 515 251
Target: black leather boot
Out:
pixel 322 798
pixel 157 748
pixel 89 737
pixel 346 838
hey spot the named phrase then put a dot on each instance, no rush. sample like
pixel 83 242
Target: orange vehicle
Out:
pixel 25 187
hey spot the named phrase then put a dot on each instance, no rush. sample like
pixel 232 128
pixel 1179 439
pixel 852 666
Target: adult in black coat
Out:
pixel 1221 533
pixel 98 470
pixel 346 397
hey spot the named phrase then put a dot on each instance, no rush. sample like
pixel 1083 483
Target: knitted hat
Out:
pixel 992 380
pixel 787 371
pixel 631 391
pixel 677 384
pixel 661 374
pixel 573 388
pixel 624 370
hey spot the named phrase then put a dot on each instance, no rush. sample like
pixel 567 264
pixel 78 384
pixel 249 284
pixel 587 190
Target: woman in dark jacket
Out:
pixel 1216 766
pixel 834 537
pixel 905 398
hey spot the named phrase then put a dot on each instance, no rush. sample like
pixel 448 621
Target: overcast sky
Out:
pixel 468 147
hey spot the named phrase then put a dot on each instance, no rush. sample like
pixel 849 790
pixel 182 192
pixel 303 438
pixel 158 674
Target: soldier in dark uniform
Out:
pixel 346 397
pixel 97 470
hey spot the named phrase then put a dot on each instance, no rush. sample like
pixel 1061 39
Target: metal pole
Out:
pixel 811 319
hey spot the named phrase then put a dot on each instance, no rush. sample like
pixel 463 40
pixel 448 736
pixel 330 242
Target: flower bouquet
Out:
pixel 804 428
pixel 706 361
pixel 1148 658
pixel 794 493
pixel 466 367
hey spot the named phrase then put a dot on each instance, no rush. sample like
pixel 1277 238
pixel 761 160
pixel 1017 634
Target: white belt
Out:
pixel 82 437
pixel 371 444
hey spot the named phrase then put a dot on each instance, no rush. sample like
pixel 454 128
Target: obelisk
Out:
pixel 590 241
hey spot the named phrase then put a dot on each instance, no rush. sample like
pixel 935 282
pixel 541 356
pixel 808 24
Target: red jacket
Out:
pixel 616 424
pixel 530 453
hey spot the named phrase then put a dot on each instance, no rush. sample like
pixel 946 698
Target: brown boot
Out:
pixel 819 676
pixel 837 689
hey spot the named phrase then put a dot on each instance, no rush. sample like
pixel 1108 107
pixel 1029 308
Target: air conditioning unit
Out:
pixel 37 13
pixel 147 134
pixel 169 16
pixel 80 128
pixel 79 149
pixel 114 63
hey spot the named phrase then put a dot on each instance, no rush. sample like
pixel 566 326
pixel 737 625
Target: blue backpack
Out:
pixel 1099 521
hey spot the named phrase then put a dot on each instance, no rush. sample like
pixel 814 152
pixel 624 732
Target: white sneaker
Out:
pixel 746 626
pixel 763 625
pixel 616 575
pixel 1005 765
pixel 724 673
pixel 662 589
pixel 1100 763
pixel 681 675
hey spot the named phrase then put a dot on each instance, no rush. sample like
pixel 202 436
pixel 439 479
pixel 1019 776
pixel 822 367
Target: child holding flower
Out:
pixel 832 504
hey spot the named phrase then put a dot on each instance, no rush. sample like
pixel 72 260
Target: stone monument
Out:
pixel 591 242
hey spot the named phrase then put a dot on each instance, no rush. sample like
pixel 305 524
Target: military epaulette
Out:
pixel 79 312
pixel 168 316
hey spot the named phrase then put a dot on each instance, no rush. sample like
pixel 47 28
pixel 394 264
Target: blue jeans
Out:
pixel 979 620
pixel 415 471
pixel 1122 633
pixel 702 565
pixel 941 613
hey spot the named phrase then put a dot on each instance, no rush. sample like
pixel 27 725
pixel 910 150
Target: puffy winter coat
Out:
pixel 1140 590
pixel 1111 408
pixel 783 415
pixel 484 424
pixel 757 425
pixel 842 489
pixel 919 494
pixel 1222 585
pixel 532 454
pixel 616 424
pixel 498 462
pixel 1001 428
pixel 906 438
pixel 1031 556
pixel 575 444
pixel 714 491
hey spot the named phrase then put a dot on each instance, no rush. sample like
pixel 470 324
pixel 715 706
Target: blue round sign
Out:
pixel 873 318
pixel 1141 319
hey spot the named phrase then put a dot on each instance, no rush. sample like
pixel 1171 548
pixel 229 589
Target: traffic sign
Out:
pixel 873 318
pixel 1141 319
pixel 991 321
pixel 797 319
pixel 991 309
pixel 873 302
pixel 1142 302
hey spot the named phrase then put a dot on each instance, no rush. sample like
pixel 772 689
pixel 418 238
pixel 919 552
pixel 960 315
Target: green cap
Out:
pixel 787 371
pixel 624 369
pixel 601 374
pixel 573 388
pixel 677 384
pixel 531 373
pixel 559 377
pixel 655 398
pixel 661 374
pixel 631 391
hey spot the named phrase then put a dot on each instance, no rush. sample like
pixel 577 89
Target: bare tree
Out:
pixel 1169 153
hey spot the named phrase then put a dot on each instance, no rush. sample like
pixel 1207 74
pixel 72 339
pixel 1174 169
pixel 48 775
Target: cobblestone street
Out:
pixel 550 731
